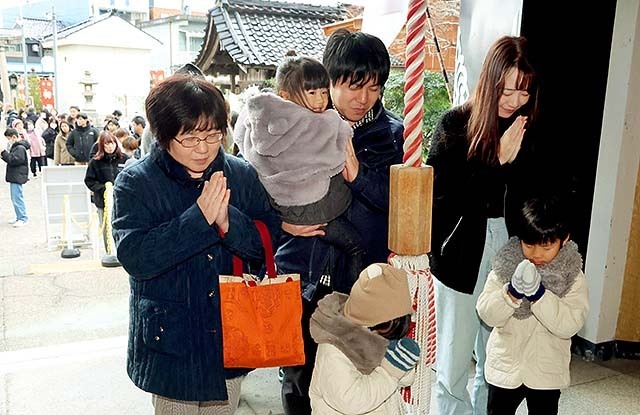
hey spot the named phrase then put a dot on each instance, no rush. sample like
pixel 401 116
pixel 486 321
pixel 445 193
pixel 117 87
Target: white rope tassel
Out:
pixel 421 288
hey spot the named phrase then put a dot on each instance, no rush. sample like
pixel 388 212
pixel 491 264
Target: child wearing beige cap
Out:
pixel 363 355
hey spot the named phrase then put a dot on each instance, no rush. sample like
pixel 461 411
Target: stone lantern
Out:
pixel 88 92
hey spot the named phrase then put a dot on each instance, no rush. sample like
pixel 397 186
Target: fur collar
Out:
pixel 557 276
pixel 363 347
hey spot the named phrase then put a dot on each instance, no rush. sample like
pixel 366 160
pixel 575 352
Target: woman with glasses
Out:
pixel 180 214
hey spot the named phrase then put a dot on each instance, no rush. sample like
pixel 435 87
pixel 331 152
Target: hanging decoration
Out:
pixel 410 213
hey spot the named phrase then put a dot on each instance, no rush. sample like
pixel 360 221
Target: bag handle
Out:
pixel 268 252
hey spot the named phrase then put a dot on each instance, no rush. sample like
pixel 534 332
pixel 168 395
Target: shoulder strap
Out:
pixel 265 237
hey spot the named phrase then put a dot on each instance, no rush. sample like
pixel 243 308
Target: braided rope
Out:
pixel 106 220
pixel 66 213
pixel 82 226
pixel 418 396
pixel 414 87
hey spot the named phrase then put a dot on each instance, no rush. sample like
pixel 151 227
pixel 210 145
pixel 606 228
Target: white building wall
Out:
pixel 118 55
pixel 112 32
pixel 170 55
pixel 616 177
pixel 161 54
pixel 122 76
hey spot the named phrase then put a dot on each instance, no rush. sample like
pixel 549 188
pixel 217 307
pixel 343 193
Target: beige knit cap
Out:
pixel 381 294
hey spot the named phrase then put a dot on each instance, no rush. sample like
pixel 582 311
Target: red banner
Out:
pixel 46 93
pixel 20 90
pixel 157 77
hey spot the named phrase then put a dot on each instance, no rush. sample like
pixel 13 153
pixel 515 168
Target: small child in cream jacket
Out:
pixel 536 299
pixel 363 355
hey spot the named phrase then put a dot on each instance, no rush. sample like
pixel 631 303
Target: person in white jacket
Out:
pixel 536 299
pixel 363 355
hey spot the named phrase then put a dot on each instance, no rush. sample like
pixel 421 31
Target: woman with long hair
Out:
pixel 472 149
pixel 103 168
pixel 49 136
pixel 61 156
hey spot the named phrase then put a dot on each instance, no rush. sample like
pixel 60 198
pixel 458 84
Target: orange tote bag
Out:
pixel 261 319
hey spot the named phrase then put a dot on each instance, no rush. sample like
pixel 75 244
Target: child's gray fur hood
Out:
pixel 363 347
pixel 294 150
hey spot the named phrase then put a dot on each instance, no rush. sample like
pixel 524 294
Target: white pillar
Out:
pixel 616 177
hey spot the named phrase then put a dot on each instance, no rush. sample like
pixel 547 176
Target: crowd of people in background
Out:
pixel 52 138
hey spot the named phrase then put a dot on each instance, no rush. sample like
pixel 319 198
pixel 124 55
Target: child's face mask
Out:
pixel 29 127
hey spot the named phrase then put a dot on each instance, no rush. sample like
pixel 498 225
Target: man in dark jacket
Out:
pixel 180 215
pixel 17 171
pixel 11 115
pixel 358 66
pixel 138 124
pixel 81 139
pixel 49 136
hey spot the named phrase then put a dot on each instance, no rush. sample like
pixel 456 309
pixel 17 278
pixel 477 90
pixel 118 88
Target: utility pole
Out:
pixel 56 103
pixel 4 73
pixel 24 60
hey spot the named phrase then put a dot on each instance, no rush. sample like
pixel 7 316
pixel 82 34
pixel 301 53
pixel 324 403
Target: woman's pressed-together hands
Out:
pixel 214 201
pixel 511 140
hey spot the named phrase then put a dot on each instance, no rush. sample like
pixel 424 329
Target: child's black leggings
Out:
pixel 539 402
pixel 341 233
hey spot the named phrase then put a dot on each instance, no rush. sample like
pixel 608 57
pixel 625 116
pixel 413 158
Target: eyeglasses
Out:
pixel 193 141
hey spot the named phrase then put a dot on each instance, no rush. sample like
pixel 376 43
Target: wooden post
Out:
pixel 410 200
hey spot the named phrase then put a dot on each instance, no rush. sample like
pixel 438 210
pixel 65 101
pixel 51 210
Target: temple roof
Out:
pixel 261 32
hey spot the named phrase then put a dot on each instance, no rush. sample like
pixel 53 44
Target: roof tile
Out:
pixel 260 32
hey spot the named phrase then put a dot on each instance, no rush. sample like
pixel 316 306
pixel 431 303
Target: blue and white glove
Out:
pixel 525 282
pixel 401 356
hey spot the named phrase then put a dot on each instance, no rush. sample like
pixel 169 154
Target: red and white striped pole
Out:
pixel 410 212
pixel 413 86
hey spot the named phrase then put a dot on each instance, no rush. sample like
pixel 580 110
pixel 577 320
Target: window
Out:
pixel 194 44
pixel 15 48
pixel 190 41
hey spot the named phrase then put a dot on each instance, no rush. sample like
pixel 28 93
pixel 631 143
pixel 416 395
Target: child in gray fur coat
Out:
pixel 297 146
